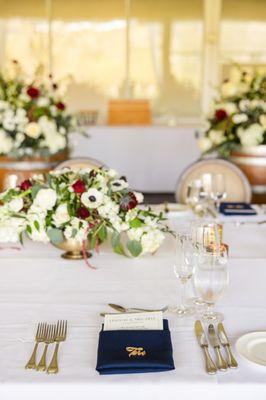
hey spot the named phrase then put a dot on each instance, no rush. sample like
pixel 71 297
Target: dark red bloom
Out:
pixel 79 186
pixel 83 213
pixel 93 173
pixel 33 92
pixel 128 202
pixel 25 185
pixel 220 114
pixel 60 106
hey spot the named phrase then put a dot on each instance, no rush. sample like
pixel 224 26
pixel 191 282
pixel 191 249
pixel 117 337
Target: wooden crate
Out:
pixel 129 112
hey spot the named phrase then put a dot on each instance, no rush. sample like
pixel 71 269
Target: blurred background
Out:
pixel 162 60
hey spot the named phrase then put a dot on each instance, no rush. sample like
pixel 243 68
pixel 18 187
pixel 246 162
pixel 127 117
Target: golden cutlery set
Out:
pixel 48 334
pixel 217 340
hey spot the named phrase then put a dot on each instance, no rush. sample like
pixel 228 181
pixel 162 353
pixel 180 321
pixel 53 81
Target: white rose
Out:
pixel 61 215
pixel 45 199
pixel 239 118
pixel 33 130
pixel 217 137
pixel 112 173
pixel 93 198
pixel 139 196
pixel 204 144
pixel 16 204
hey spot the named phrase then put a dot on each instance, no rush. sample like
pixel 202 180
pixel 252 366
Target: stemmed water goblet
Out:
pixel 211 278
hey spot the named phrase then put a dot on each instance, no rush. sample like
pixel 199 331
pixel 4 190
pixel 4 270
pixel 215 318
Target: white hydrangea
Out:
pixel 251 136
pixel 16 204
pixel 204 144
pixel 109 208
pixel 139 196
pixel 239 118
pixel 77 229
pixel 10 229
pixel 217 137
pixel 6 143
pixel 36 222
pixel 151 241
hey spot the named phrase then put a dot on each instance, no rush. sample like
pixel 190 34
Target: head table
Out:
pixel 37 285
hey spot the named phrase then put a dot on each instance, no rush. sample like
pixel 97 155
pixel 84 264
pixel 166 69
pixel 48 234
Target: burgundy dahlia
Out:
pixel 128 202
pixel 83 213
pixel 33 92
pixel 79 186
pixel 25 185
pixel 220 114
pixel 60 106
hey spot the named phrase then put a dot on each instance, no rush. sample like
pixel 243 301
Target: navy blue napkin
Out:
pixel 237 209
pixel 135 351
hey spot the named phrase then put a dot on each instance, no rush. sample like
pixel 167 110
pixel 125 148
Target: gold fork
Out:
pixel 61 332
pixel 39 338
pixel 49 338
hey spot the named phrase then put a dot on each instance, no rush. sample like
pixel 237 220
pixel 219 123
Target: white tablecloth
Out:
pixel 37 285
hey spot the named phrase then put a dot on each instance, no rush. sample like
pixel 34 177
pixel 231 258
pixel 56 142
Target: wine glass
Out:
pixel 195 197
pixel 211 279
pixel 184 266
pixel 218 192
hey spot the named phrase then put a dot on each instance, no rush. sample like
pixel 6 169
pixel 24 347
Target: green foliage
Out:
pixel 55 235
pixel 134 247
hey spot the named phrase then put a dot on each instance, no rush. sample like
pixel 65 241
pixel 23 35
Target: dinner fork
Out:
pixel 39 338
pixel 49 338
pixel 60 336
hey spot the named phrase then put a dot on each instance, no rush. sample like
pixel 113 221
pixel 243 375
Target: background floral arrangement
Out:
pixel 80 205
pixel 239 116
pixel 33 118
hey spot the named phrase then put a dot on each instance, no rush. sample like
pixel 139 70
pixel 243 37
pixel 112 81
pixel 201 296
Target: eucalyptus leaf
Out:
pixel 102 233
pixel 134 247
pixel 35 189
pixel 55 235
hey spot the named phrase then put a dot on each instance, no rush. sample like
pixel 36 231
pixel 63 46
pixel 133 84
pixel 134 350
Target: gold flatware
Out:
pixel 39 338
pixel 60 336
pixel 200 334
pixel 49 338
pixel 232 363
pixel 221 363
pixel 122 309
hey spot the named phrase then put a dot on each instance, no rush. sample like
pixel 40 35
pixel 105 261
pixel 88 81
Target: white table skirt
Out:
pixel 37 285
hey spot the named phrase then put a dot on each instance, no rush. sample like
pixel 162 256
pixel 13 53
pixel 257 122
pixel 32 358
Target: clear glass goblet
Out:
pixel 211 279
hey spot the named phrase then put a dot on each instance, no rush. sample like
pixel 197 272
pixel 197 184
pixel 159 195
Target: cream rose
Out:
pixel 204 144
pixel 33 130
pixel 61 215
pixel 16 204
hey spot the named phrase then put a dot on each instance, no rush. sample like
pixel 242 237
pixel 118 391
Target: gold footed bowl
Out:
pixel 73 250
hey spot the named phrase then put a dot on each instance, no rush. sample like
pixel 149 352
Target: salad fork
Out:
pixel 60 336
pixel 39 338
pixel 49 338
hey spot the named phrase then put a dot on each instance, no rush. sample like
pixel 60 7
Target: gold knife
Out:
pixel 232 363
pixel 200 334
pixel 221 363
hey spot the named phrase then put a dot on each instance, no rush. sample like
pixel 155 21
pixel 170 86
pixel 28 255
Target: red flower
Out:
pixel 25 185
pixel 83 213
pixel 128 202
pixel 79 186
pixel 220 114
pixel 60 106
pixel 33 92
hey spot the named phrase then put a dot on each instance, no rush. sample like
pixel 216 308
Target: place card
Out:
pixel 134 321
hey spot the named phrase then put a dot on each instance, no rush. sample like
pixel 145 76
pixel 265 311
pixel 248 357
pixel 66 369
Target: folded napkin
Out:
pixel 237 209
pixel 135 351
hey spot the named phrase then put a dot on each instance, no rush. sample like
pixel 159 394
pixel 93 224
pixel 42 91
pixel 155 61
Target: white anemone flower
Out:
pixel 93 198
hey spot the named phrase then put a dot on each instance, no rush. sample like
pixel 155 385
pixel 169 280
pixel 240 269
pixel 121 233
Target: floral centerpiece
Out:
pixel 239 116
pixel 33 117
pixel 83 206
